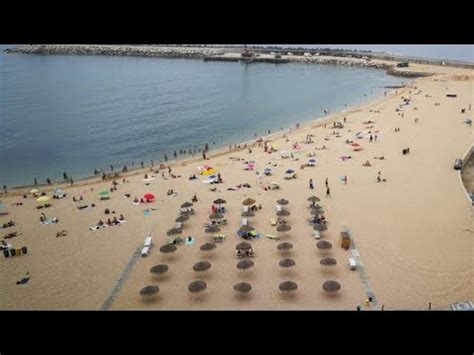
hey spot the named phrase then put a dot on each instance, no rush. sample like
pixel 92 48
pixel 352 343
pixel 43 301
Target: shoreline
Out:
pixel 212 153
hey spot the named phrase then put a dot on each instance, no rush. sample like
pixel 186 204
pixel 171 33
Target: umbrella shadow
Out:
pixel 170 257
pixel 152 299
pixel 247 274
pixel 161 277
pixel 204 275
pixel 240 296
pixel 288 272
pixel 288 295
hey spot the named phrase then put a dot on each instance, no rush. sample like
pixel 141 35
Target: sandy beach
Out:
pixel 414 232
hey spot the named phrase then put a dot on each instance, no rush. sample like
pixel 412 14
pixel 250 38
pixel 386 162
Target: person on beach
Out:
pixel 65 176
pixel 5 188
pixel 345 180
pixel 204 155
pixel 371 138
pixel 71 181
pixel 311 187
pixel 195 199
pixel 48 181
pixel 121 218
pixel 115 221
pixel 327 182
pixel 166 157
pixel 375 138
pixel 36 182
pixel 169 170
pixel 328 192
pixel 111 168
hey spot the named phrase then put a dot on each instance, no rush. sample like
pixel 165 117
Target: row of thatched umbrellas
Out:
pixel 243 287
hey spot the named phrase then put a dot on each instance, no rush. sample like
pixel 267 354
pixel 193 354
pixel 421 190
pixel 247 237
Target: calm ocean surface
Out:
pixel 77 113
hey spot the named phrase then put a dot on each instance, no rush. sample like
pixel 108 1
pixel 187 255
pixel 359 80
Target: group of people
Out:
pixel 109 222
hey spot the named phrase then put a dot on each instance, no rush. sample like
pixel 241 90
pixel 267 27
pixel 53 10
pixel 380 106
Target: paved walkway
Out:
pixel 121 280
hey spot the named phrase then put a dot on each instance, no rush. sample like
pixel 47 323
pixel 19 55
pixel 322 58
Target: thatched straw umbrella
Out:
pixel 248 202
pixel 328 261
pixel 216 216
pixel 316 211
pixel 174 231
pixel 283 228
pixel 248 214
pixel 220 201
pixel 245 264
pixel 182 218
pixel 159 269
pixel 197 286
pixel 287 263
pixel 313 199
pixel 212 229
pixel 168 248
pixel 201 266
pixel 323 244
pixel 285 246
pixel 320 227
pixel 288 286
pixel 149 290
pixel 208 246
pixel 187 205
pixel 283 213
pixel 246 228
pixel 282 201
pixel 331 286
pixel 242 287
pixel 243 246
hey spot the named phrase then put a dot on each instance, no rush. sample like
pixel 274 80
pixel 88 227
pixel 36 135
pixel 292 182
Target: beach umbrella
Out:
pixel 168 248
pixel 287 263
pixel 216 216
pixel 282 201
pixel 242 287
pixel 187 205
pixel 328 261
pixel 209 171
pixel 104 193
pixel 251 166
pixel 182 218
pixel 323 244
pixel 267 171
pixel 219 201
pixel 246 228
pixel 243 246
pixel 331 286
pixel 34 191
pixel 201 266
pixel 289 171
pixel 43 199
pixel 149 290
pixel 248 214
pixel 288 286
pixel 245 264
pixel 208 246
pixel 320 227
pixel 174 231
pixel 248 202
pixel 149 196
pixel 58 192
pixel 197 286
pixel 314 199
pixel 212 229
pixel 312 160
pixel 283 228
pixel 283 213
pixel 159 269
pixel 285 246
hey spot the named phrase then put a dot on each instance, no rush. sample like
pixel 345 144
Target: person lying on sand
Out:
pixel 121 218
pixel 115 221
pixel 63 233
pixel 380 158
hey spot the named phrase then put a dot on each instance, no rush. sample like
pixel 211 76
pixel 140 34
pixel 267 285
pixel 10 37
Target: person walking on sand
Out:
pixel 328 192
pixel 345 179
pixel 311 187
pixel 371 138
pixel 375 138
pixel 327 182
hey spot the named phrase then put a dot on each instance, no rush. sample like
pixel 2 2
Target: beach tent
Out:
pixel 312 162
pixel 267 171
